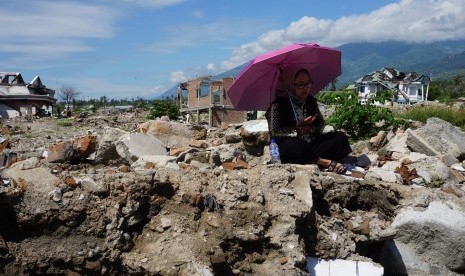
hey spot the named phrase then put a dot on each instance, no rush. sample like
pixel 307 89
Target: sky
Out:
pixel 141 48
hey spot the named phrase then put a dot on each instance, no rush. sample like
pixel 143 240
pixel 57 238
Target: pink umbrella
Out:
pixel 255 87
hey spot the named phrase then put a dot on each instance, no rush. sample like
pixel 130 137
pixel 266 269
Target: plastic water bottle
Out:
pixel 274 152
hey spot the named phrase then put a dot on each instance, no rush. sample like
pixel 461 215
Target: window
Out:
pixel 412 91
pixel 204 88
pixel 216 97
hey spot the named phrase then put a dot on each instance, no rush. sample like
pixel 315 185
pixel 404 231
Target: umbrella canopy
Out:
pixel 255 87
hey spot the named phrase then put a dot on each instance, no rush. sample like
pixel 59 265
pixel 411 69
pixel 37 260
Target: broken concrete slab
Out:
pixel 173 134
pixel 157 161
pixel 437 137
pixel 383 174
pixel 302 190
pixel 106 150
pixel 401 259
pixel 225 153
pixel 321 267
pixel 436 234
pixel 74 149
pixel 397 145
pixel 36 180
pixel 255 136
pixel 132 146
pixel 427 167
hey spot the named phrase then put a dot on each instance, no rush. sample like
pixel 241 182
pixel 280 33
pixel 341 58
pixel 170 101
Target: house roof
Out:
pixel 390 78
pixel 12 83
pixel 11 78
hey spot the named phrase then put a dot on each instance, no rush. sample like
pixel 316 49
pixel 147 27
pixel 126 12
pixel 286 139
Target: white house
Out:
pixel 18 98
pixel 409 87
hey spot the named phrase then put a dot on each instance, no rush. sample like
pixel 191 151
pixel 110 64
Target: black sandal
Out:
pixel 333 167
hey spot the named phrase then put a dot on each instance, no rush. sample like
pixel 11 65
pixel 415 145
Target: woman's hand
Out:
pixel 305 129
pixel 307 121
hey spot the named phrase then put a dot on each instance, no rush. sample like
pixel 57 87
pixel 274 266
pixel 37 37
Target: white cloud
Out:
pixel 177 76
pixel 211 67
pixel 406 20
pixel 55 20
pixel 52 30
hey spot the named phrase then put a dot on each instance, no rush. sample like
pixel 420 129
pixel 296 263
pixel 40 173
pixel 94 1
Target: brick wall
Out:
pixel 227 82
pixel 223 111
pixel 192 94
pixel 220 115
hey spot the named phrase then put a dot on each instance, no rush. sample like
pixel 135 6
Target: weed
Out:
pixel 421 113
pixel 65 122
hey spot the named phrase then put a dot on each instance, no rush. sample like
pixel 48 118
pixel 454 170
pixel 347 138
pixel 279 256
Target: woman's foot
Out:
pixel 336 167
pixel 332 166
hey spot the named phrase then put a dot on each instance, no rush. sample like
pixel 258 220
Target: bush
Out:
pixel 65 122
pixel 361 121
pixel 330 98
pixel 163 107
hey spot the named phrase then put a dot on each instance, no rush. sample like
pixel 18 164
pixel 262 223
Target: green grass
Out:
pixel 449 114
pixel 65 122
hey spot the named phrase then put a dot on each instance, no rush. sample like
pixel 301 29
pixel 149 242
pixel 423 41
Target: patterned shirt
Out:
pixel 283 115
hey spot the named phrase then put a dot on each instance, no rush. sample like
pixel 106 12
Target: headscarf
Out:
pixel 285 86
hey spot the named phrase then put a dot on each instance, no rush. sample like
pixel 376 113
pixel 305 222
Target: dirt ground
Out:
pixel 82 218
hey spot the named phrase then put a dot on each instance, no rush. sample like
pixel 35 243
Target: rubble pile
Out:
pixel 132 196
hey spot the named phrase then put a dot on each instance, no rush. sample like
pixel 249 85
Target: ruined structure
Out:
pixel 410 87
pixel 205 100
pixel 18 98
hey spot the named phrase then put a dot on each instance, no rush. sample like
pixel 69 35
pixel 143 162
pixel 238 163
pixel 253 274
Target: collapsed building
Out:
pixel 409 87
pixel 205 100
pixel 18 98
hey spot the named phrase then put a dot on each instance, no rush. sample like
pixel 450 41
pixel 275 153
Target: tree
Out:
pixel 103 102
pixel 163 107
pixel 67 94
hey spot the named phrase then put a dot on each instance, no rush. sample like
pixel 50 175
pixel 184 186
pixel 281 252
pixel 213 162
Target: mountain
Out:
pixel 438 60
pixel 434 59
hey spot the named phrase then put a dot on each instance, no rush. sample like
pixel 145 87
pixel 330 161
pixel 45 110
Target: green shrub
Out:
pixel 383 96
pixel 329 97
pixel 361 121
pixel 65 122
pixel 163 108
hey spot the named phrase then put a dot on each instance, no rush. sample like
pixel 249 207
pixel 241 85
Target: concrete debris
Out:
pixel 343 267
pixel 438 137
pixel 132 146
pixel 176 199
pixel 77 148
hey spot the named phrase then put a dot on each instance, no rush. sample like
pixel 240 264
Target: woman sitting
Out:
pixel 296 124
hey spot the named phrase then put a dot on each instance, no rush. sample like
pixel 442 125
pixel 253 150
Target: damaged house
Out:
pixel 18 98
pixel 410 87
pixel 205 100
